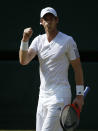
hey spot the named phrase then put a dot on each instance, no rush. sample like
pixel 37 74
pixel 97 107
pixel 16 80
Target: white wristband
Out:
pixel 24 46
pixel 79 90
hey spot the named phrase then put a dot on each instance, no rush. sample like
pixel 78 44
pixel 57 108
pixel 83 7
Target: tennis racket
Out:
pixel 70 115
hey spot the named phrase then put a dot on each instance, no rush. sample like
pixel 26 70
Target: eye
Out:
pixel 48 17
pixel 45 18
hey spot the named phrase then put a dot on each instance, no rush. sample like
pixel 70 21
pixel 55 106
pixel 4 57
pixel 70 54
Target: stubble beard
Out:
pixel 49 28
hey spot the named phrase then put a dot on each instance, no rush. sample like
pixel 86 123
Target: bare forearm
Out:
pixel 79 76
pixel 23 57
pixel 76 64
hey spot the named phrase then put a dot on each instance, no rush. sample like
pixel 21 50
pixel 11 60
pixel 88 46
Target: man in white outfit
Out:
pixel 55 51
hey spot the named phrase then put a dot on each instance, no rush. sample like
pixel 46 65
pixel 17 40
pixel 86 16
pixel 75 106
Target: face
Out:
pixel 49 22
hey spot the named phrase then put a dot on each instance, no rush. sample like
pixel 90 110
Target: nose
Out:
pixel 49 20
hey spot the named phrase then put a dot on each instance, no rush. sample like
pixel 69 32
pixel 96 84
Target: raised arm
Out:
pixel 25 54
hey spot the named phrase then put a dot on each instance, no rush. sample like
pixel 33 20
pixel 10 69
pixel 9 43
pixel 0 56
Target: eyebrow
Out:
pixel 50 17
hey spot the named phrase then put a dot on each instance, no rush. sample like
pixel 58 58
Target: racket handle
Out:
pixel 87 89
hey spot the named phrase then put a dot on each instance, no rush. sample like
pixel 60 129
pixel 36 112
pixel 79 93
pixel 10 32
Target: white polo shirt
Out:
pixel 54 60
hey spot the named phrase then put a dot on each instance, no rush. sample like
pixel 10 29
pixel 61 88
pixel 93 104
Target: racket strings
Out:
pixel 69 118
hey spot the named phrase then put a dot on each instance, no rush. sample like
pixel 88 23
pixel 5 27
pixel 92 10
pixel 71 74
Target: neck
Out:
pixel 51 34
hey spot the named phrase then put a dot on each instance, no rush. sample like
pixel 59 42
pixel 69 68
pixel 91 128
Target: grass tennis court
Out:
pixel 35 130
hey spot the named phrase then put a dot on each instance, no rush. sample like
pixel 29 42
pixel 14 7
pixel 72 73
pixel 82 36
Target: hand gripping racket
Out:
pixel 70 115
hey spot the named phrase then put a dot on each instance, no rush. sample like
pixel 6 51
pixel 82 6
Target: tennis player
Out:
pixel 55 51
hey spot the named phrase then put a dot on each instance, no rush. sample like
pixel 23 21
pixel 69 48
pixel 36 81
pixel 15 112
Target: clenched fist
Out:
pixel 27 34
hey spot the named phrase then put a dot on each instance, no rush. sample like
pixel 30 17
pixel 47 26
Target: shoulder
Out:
pixel 65 36
pixel 66 39
pixel 40 36
pixel 38 40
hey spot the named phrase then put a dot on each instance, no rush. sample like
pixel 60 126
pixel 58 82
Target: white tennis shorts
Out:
pixel 47 117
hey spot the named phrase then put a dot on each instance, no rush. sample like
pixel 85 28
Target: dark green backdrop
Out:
pixel 19 85
pixel 19 95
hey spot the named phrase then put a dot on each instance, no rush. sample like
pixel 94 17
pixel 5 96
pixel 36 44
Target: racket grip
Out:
pixel 87 89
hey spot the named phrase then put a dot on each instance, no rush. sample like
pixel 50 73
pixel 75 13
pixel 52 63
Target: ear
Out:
pixel 57 19
pixel 41 21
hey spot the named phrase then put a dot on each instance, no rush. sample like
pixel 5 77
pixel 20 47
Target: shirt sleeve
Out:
pixel 34 45
pixel 72 50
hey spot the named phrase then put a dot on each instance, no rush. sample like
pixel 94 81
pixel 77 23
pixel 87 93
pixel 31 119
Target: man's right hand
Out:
pixel 27 34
